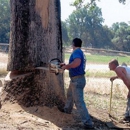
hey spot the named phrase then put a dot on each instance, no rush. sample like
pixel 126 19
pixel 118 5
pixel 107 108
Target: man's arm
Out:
pixel 73 64
pixel 113 78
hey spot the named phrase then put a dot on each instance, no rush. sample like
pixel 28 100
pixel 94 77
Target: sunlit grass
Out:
pixel 96 74
pixel 105 74
pixel 3 71
pixel 102 102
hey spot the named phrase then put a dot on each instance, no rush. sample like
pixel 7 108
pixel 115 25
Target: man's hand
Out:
pixel 73 64
pixel 113 78
pixel 62 65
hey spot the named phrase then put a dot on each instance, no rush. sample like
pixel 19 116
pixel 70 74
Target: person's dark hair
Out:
pixel 77 42
pixel 115 62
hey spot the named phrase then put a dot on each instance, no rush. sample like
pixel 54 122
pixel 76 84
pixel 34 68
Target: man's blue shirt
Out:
pixel 80 70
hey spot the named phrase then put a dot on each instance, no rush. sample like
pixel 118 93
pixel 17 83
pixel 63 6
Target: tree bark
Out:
pixel 35 38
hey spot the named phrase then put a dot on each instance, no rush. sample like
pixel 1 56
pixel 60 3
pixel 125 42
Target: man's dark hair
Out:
pixel 77 42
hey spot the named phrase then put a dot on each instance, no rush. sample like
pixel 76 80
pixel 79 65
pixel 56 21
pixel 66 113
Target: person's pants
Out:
pixel 127 113
pixel 75 95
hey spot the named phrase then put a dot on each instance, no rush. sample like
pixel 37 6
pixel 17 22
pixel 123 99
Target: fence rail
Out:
pixel 4 44
pixel 98 50
pixel 4 47
pixel 107 50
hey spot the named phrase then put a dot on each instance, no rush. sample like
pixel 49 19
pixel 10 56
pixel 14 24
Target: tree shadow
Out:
pixel 67 121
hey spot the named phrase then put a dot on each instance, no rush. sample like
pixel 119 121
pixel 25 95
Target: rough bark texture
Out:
pixel 35 38
pixel 35 34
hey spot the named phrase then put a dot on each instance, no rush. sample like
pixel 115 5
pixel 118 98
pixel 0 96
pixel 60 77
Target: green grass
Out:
pixel 100 59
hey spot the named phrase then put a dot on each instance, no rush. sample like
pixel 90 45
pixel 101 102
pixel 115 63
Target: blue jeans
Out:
pixel 75 95
pixel 127 113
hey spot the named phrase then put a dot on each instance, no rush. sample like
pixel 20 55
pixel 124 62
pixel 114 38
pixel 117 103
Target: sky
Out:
pixel 112 11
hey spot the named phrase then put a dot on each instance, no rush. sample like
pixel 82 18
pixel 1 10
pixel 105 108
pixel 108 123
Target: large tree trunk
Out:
pixel 35 38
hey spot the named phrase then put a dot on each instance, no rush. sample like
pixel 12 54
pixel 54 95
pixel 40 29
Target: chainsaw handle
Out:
pixel 60 71
pixel 55 59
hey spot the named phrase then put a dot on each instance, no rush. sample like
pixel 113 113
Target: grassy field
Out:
pixel 91 59
pixel 103 59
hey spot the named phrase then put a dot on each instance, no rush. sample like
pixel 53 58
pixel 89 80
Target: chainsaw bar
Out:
pixel 42 68
pixel 53 66
pixel 52 69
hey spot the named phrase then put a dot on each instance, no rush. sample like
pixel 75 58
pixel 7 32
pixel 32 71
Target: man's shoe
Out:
pixel 88 127
pixel 64 110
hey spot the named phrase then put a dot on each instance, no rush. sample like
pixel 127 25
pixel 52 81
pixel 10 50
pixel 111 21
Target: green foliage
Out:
pixel 121 39
pixel 4 21
pixel 65 37
pixel 86 23
pixel 122 1
pixel 78 3
pixel 81 3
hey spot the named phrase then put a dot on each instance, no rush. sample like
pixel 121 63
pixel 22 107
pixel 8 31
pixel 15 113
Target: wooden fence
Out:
pixel 5 46
pixel 96 50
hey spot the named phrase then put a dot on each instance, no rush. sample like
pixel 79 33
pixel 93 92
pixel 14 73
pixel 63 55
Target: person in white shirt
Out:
pixel 123 72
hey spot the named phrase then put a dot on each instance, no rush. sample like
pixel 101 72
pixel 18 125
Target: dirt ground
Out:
pixel 97 97
pixel 16 117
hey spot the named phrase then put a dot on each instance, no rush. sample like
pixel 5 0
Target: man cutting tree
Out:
pixel 76 69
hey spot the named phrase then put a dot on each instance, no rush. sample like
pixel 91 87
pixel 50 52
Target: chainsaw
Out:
pixel 53 66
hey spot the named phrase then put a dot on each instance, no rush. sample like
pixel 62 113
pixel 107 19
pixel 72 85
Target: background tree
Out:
pixel 121 38
pixel 65 38
pixel 81 3
pixel 86 23
pixel 99 38
pixel 35 38
pixel 4 21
